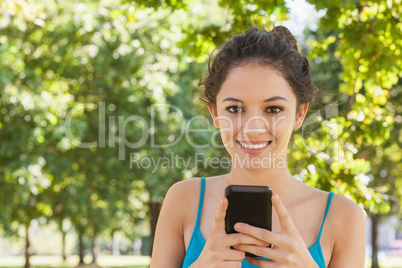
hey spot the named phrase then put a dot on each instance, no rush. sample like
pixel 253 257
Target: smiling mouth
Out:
pixel 254 146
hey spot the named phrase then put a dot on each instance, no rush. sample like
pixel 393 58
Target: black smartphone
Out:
pixel 248 204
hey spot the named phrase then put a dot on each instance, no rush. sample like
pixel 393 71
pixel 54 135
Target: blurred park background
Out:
pixel 99 116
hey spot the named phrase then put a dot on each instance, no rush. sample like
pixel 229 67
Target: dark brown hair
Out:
pixel 276 48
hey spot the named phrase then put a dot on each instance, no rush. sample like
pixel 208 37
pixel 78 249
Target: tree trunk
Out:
pixel 374 240
pixel 115 244
pixel 154 207
pixel 81 245
pixel 27 247
pixel 95 250
pixel 63 240
pixel 63 246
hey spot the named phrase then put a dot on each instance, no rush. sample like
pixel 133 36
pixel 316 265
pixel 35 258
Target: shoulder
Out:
pixel 187 191
pixel 347 228
pixel 310 196
pixel 346 216
pixel 345 211
pixel 183 188
pixel 341 210
pixel 169 247
pixel 180 200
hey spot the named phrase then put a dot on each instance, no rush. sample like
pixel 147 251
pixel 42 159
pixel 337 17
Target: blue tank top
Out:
pixel 197 242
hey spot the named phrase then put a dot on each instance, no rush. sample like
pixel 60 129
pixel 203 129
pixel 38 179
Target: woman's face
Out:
pixel 256 114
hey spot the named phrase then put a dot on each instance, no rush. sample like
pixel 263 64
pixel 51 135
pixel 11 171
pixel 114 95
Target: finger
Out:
pixel 230 264
pixel 259 233
pixel 219 223
pixel 232 255
pixel 273 255
pixel 285 220
pixel 240 238
pixel 261 262
pixel 258 251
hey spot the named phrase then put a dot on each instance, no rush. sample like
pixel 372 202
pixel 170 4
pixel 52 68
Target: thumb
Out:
pixel 219 223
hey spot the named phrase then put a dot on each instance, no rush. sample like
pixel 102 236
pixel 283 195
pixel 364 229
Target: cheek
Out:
pixel 281 125
pixel 227 129
pixel 227 124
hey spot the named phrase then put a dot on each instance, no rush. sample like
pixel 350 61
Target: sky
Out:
pixel 302 15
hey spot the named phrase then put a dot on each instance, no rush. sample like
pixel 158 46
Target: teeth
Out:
pixel 254 146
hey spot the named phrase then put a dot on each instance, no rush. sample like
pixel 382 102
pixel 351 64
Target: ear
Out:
pixel 301 113
pixel 214 115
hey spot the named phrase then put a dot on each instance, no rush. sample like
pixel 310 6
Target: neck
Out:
pixel 278 179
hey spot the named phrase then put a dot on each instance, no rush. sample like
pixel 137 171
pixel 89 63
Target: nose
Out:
pixel 255 125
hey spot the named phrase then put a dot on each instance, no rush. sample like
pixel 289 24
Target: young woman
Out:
pixel 258 91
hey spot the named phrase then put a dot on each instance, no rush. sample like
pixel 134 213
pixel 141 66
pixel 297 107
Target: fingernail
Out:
pixel 238 226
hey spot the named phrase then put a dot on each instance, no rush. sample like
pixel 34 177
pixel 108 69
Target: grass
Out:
pixel 125 262
pixel 72 261
pixel 388 262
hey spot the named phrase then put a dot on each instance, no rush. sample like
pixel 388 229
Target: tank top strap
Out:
pixel 201 202
pixel 325 215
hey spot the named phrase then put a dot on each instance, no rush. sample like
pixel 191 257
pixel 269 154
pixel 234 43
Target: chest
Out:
pixel 306 217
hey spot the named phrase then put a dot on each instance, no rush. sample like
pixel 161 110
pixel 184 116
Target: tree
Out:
pixel 365 36
pixel 84 84
pixel 29 111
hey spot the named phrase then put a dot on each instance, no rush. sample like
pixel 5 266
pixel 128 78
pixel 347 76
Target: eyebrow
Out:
pixel 267 100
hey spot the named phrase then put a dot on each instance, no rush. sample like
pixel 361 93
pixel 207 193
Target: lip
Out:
pixel 254 151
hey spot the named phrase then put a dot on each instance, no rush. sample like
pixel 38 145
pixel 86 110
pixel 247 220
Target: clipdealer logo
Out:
pixel 177 162
pixel 113 131
pixel 116 133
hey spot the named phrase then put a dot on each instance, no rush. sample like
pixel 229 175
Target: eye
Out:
pixel 234 109
pixel 274 109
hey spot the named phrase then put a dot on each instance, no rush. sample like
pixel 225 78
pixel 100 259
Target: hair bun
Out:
pixel 286 35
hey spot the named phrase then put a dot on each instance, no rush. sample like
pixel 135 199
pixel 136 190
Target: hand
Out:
pixel 217 251
pixel 288 249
